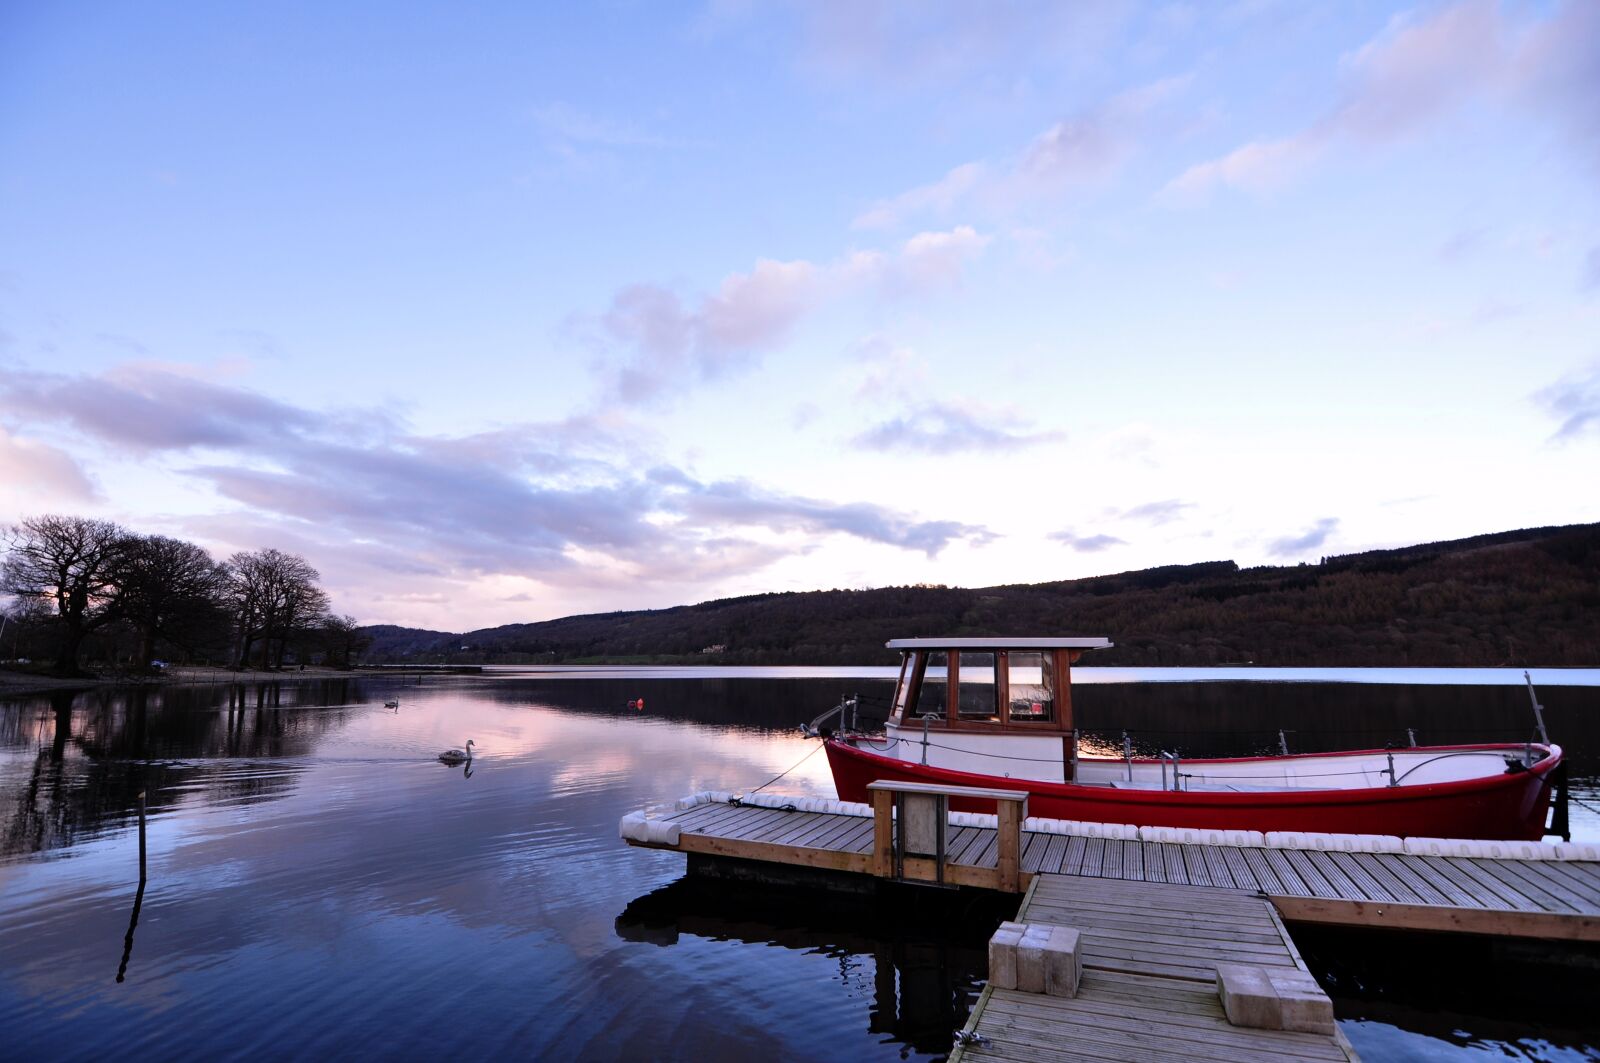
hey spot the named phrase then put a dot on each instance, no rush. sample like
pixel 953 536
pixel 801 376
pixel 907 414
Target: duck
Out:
pixel 457 756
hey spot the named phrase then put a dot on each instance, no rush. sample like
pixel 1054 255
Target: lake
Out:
pixel 319 885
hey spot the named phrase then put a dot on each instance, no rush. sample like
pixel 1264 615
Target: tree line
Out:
pixel 91 590
pixel 1530 596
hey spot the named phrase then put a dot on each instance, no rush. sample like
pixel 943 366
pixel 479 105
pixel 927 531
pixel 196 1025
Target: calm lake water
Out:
pixel 319 885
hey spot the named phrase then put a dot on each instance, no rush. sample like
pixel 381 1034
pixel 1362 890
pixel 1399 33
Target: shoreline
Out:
pixel 35 683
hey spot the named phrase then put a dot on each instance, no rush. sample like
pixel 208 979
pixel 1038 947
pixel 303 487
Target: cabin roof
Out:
pixel 1000 644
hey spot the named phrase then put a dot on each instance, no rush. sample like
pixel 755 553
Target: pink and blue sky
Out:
pixel 516 311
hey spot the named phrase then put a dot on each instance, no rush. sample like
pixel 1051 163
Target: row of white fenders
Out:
pixel 643 827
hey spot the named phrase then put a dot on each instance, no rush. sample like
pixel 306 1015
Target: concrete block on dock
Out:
pixel 1248 998
pixel 1003 955
pixel 1273 998
pixel 1036 958
pixel 1031 958
pixel 1302 1003
pixel 1063 962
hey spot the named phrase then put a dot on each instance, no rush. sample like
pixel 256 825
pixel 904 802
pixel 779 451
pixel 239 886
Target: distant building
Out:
pixel 718 647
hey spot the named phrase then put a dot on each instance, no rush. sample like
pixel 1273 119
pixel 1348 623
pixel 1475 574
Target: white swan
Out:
pixel 456 756
pixel 392 703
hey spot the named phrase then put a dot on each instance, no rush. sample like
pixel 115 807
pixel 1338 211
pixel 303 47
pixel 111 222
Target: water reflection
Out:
pixel 919 957
pixel 304 837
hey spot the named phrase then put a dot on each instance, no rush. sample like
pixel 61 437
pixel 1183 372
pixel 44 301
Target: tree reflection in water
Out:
pixel 919 953
pixel 96 750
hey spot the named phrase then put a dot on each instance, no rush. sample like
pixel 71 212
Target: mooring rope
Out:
pixel 787 770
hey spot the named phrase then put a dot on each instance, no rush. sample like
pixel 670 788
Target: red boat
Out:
pixel 1006 721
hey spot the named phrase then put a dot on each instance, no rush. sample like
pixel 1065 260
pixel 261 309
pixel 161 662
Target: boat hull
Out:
pixel 1510 806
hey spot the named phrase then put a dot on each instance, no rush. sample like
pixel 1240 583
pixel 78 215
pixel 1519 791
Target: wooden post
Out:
pixel 141 836
pixel 882 833
pixel 952 681
pixel 1010 863
pixel 1063 692
pixel 1002 686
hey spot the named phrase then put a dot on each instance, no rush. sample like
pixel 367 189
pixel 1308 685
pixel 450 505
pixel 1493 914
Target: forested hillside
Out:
pixel 1520 597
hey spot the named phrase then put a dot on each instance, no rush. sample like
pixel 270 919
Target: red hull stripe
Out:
pixel 1511 807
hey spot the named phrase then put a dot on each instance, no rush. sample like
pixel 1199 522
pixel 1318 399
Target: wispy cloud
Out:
pixel 1087 544
pixel 1574 400
pixel 148 408
pixel 946 428
pixel 1418 71
pixel 563 502
pixel 669 344
pixel 738 502
pixel 1084 149
pixel 1310 539
pixel 1162 512
pixel 36 475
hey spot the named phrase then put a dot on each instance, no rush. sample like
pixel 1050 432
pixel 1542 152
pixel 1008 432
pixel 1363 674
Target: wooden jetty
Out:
pixel 1148 990
pixel 1155 918
pixel 1541 899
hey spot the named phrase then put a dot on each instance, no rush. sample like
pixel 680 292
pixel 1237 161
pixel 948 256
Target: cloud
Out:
pixel 1575 401
pixel 739 502
pixel 1162 512
pixel 669 346
pixel 1084 149
pixel 940 197
pixel 1310 539
pixel 674 346
pixel 564 503
pixel 945 428
pixel 149 409
pixel 940 43
pixel 1255 167
pixel 933 260
pixel 1414 74
pixel 35 474
pixel 1087 544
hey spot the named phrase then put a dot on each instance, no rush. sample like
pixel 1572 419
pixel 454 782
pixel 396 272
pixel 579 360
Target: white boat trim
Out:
pixel 1000 644
pixel 648 827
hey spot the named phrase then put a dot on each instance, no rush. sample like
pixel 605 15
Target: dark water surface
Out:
pixel 319 885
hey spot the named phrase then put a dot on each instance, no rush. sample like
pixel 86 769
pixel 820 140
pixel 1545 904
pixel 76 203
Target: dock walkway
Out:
pixel 1149 980
pixel 1551 899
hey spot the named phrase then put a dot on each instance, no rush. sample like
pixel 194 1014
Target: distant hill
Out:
pixel 1517 597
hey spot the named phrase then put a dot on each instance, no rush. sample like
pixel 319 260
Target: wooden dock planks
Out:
pixel 1531 898
pixel 1148 989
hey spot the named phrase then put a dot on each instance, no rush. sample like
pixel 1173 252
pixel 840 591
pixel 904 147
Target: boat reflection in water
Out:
pixel 921 956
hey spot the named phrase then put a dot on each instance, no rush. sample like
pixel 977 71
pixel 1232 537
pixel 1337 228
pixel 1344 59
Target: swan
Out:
pixel 392 703
pixel 456 756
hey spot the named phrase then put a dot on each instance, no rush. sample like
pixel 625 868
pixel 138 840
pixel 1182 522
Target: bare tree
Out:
pixel 168 589
pixel 342 639
pixel 72 563
pixel 274 596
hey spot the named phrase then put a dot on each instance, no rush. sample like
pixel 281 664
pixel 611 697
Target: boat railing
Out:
pixel 848 712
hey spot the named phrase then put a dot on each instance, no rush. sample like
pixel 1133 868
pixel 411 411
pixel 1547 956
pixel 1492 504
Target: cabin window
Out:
pixel 902 693
pixel 978 693
pixel 930 699
pixel 1031 679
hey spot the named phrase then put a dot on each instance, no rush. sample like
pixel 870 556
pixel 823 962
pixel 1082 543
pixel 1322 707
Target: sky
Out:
pixel 512 312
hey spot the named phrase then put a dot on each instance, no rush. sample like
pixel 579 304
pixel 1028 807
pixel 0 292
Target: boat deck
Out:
pixel 1149 982
pixel 1552 899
